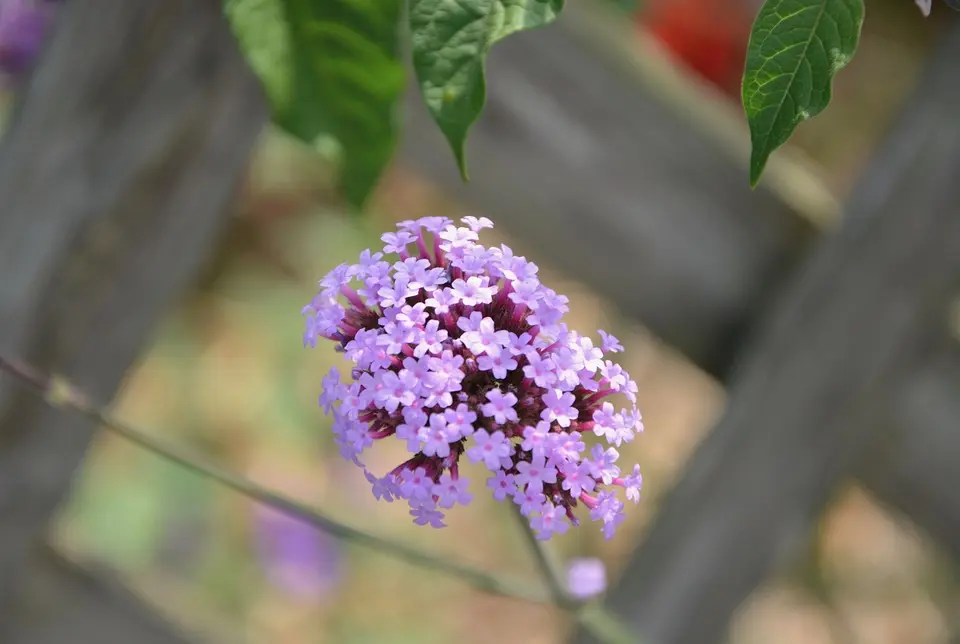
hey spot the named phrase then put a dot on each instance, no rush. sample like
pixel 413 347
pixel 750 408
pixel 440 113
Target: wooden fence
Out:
pixel 116 176
pixel 835 345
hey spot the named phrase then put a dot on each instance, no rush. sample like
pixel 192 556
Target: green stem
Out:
pixel 604 625
pixel 61 394
pixel 593 617
pixel 549 567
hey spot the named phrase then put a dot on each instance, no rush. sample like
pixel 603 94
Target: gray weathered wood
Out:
pixel 824 369
pixel 116 177
pixel 62 602
pixel 913 466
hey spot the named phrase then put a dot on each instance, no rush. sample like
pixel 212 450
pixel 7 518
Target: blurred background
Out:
pixel 228 375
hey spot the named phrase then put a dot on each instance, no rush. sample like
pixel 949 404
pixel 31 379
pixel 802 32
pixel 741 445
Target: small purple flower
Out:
pixel 476 224
pixel 526 293
pixel 490 449
pixel 559 407
pixel 473 291
pixel 500 406
pixel 396 389
pixel 534 473
pixel 396 294
pixel 426 515
pixel 499 365
pixel 549 521
pixel 540 369
pixel 577 478
pixel 451 491
pixel 528 500
pixel 613 376
pixel 502 485
pixel 610 343
pixel 485 338
pixel 602 464
pixel 397 242
pixel 431 340
pixel 586 578
pixel 608 509
pixel 441 301
pixel 436 439
pixel 455 238
pixel 632 485
pixel 416 485
pixel 460 421
pixel 382 488
pixel 535 439
pixel 461 353
pixel 296 557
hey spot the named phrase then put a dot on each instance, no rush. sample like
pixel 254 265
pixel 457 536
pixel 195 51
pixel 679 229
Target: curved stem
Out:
pixel 592 616
pixel 59 393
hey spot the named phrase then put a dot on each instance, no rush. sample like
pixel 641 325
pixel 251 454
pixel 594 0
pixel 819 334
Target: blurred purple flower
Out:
pixel 296 557
pixel 23 27
pixel 586 578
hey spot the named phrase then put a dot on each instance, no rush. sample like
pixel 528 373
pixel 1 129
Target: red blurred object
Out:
pixel 707 36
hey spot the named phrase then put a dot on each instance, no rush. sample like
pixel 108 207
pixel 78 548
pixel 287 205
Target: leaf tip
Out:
pixel 758 161
pixel 460 153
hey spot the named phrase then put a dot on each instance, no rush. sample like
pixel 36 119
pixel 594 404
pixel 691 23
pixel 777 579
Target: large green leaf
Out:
pixel 329 68
pixel 451 39
pixel 795 49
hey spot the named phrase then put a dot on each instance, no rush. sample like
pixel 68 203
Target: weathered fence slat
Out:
pixel 696 260
pixel 847 334
pixel 913 465
pixel 116 176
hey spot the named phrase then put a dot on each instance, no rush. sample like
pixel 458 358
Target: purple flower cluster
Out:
pixel 460 351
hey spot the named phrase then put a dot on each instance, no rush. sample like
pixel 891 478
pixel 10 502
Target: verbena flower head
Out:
pixel 460 352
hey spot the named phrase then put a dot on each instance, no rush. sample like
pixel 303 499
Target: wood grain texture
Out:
pixel 116 176
pixel 845 338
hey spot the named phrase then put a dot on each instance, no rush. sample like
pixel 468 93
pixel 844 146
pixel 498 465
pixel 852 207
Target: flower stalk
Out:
pixel 60 393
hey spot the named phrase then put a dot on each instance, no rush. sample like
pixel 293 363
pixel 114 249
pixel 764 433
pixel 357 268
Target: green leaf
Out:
pixel 330 69
pixel 795 49
pixel 451 39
